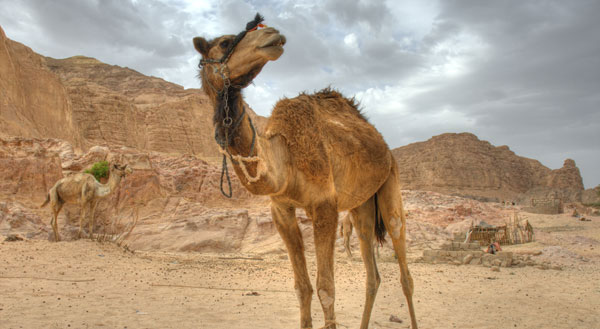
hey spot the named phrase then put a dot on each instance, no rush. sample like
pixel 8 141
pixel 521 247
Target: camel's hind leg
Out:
pixel 390 204
pixel 284 218
pixel 364 222
pixel 56 207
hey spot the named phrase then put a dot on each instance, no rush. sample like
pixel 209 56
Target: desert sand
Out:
pixel 87 284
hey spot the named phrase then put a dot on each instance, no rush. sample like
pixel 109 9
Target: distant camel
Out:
pixel 85 190
pixel 346 232
pixel 319 153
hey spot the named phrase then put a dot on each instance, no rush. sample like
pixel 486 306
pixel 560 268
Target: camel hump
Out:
pixel 296 120
pixel 321 128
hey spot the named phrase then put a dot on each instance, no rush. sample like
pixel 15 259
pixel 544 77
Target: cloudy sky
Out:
pixel 520 73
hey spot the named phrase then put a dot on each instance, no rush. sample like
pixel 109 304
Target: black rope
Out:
pixel 225 171
pixel 224 94
pixel 225 145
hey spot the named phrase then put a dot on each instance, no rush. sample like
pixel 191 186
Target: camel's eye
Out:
pixel 224 44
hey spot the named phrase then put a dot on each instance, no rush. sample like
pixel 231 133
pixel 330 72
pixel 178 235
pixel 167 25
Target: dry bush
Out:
pixel 119 230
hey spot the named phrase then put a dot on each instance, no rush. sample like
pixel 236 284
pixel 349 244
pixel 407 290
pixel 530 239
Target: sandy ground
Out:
pixel 85 284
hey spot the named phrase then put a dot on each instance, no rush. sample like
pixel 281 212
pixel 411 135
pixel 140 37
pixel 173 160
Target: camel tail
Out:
pixel 47 200
pixel 380 230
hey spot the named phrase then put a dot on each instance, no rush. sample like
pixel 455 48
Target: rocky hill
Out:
pixel 33 100
pixel 462 164
pixel 86 102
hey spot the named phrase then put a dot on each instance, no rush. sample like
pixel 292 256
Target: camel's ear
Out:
pixel 201 45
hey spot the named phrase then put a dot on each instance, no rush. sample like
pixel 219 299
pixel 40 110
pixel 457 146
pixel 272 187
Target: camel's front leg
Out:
pixel 93 205
pixel 284 218
pixel 325 220
pixel 56 206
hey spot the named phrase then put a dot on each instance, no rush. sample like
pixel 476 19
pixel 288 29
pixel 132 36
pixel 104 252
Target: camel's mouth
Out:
pixel 273 46
pixel 276 40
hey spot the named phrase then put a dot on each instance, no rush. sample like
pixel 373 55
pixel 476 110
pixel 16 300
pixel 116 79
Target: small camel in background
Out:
pixel 346 232
pixel 85 190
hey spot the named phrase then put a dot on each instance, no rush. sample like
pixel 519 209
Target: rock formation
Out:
pixel 86 102
pixel 464 165
pixel 33 101
pixel 567 177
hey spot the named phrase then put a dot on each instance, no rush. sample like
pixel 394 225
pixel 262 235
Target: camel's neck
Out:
pixel 239 138
pixel 110 186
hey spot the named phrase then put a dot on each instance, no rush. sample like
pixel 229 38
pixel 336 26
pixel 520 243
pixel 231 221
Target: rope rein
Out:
pixel 228 123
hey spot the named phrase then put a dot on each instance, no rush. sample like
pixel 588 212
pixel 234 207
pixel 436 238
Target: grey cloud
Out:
pixel 374 13
pixel 139 35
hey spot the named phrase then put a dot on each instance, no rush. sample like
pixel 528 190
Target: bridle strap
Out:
pixel 228 121
pixel 250 26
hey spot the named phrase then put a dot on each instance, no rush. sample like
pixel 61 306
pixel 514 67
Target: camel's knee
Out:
pixel 303 288
pixel 327 298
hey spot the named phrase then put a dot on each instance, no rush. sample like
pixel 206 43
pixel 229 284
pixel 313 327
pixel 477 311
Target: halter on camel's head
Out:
pixel 230 63
pixel 251 26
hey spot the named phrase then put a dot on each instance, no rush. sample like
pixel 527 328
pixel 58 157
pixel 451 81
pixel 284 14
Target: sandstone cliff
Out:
pixel 86 102
pixel 462 164
pixel 33 101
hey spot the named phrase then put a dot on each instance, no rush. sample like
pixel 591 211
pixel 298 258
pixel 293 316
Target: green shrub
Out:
pixel 99 170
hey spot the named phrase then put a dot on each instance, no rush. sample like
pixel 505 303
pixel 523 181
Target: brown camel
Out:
pixel 346 232
pixel 85 190
pixel 317 153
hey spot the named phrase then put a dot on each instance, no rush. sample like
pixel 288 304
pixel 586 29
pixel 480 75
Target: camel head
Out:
pixel 121 171
pixel 239 58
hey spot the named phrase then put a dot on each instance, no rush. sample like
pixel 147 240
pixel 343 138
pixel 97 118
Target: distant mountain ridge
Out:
pixel 462 164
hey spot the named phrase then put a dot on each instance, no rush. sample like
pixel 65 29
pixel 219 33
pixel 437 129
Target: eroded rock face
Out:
pixel 86 102
pixel 33 101
pixel 462 164
pixel 29 167
pixel 567 177
pixel 591 195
